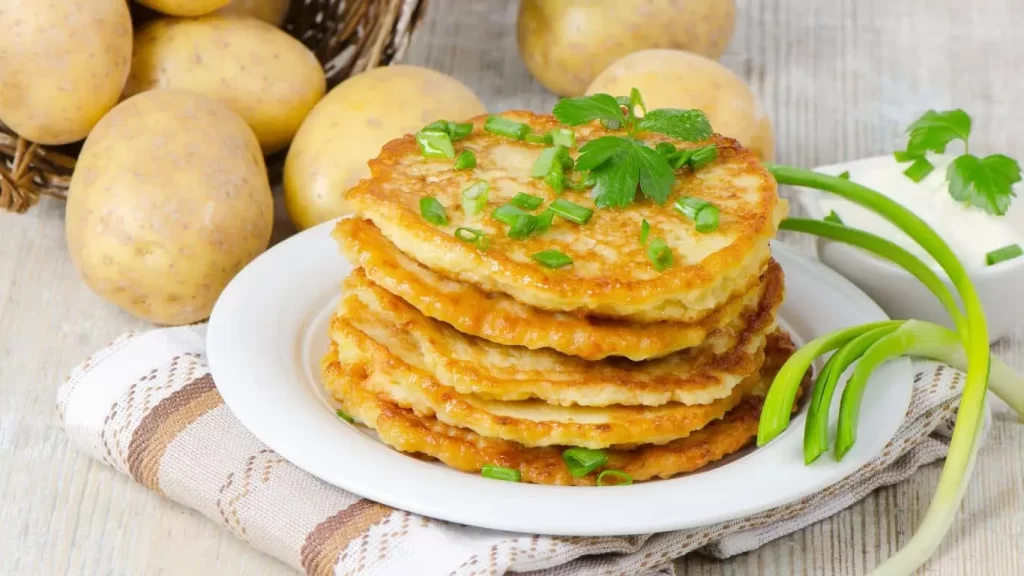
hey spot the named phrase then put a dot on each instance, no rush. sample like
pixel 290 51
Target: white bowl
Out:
pixel 901 295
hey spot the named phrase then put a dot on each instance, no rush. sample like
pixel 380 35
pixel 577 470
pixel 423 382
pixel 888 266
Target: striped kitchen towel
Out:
pixel 147 406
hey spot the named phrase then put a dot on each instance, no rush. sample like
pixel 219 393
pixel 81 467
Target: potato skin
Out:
pixel 63 64
pixel 269 78
pixel 677 79
pixel 184 7
pixel 270 11
pixel 169 200
pixel 566 43
pixel 351 124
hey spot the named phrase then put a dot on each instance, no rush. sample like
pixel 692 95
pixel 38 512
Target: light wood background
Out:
pixel 840 78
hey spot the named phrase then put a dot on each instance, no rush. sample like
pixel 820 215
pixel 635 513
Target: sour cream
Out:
pixel 971 232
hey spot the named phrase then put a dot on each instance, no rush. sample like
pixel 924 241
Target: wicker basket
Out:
pixel 347 36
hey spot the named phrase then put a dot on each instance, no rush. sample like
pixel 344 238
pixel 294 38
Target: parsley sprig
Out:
pixel 986 183
pixel 619 164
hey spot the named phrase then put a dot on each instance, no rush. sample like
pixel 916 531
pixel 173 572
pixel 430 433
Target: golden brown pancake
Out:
pixel 611 274
pixel 501 319
pixel 473 366
pixel 465 450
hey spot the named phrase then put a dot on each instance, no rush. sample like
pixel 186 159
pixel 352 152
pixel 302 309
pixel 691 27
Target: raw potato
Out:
pixel 351 124
pixel 270 11
pixel 269 78
pixel 566 43
pixel 169 200
pixel 676 79
pixel 63 64
pixel 184 7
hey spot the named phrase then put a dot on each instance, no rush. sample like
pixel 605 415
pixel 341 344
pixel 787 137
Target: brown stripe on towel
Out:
pixel 326 542
pixel 163 424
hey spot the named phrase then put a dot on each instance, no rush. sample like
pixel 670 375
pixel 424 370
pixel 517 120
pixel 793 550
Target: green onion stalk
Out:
pixel 875 343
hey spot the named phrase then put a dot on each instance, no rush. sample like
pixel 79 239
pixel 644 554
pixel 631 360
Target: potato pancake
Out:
pixel 490 371
pixel 611 274
pixel 465 450
pixel 501 319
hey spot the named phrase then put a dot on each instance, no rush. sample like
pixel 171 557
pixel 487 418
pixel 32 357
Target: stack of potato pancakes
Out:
pixel 476 349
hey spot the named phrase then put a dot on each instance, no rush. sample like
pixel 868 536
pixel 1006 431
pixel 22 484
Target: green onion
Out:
pixel 544 221
pixel 583 461
pixel 845 175
pixel 341 414
pixel 533 138
pixel 552 258
pixel 505 127
pixel 500 473
pixel 557 180
pixel 526 201
pixel 563 137
pixel 549 159
pixel 1003 254
pixel 903 156
pixel 459 130
pixel 432 211
pixel 666 149
pixel 611 124
pixel 474 198
pixel 466 160
pixel 621 478
pixel 435 144
pixel 564 159
pixel 703 156
pixel 680 158
pixel 473 236
pixel 571 211
pixel 507 214
pixel 919 169
pixel 522 226
pixel 660 254
pixel 645 231
pixel 703 213
pixel 833 217
pixel 436 126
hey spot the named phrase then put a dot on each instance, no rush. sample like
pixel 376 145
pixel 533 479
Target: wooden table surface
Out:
pixel 840 79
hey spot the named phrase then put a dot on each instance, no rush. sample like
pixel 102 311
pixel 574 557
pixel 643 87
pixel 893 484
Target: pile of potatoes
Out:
pixel 667 49
pixel 170 197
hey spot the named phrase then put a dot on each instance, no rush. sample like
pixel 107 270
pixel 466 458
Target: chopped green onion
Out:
pixel 473 236
pixel 703 213
pixel 611 124
pixel 505 127
pixel 341 414
pixel 833 217
pixel 645 231
pixel 903 156
pixel 507 214
pixel 571 211
pixel 432 211
pixel 435 144
pixel 556 179
pixel 564 159
pixel 666 149
pixel 1003 254
pixel 680 158
pixel 703 156
pixel 845 175
pixel 635 99
pixel 659 254
pixel 466 160
pixel 620 477
pixel 526 201
pixel 919 169
pixel 563 137
pixel 552 258
pixel 474 198
pixel 436 125
pixel 522 226
pixel 583 461
pixel 500 473
pixel 533 138
pixel 459 130
pixel 544 221
pixel 549 159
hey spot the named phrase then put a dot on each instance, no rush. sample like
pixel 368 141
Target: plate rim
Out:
pixel 416 498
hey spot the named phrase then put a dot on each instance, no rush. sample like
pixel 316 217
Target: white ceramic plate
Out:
pixel 268 332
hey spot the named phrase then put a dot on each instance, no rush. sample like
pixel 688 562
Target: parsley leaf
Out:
pixel 656 176
pixel 576 111
pixel 595 152
pixel 986 183
pixel 685 125
pixel 620 166
pixel 615 181
pixel 935 130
